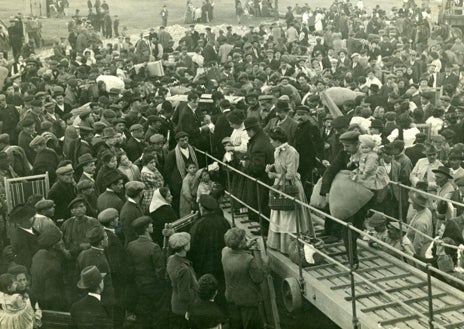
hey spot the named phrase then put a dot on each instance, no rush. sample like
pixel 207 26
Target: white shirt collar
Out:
pixel 185 152
pixel 97 296
pixel 131 200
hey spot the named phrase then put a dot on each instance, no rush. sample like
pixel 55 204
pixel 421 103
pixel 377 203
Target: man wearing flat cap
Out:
pixel 47 270
pixel 131 209
pixel 207 239
pixel 46 159
pixel 35 113
pixel 243 276
pixel 95 256
pixel 74 236
pixel 26 135
pixel 43 219
pixel 89 312
pixel 63 191
pixel 146 258
pixel 183 279
pixel 346 161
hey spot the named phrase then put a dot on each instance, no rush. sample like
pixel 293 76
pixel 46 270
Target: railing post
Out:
pixel 429 293
pixel 232 200
pixel 353 287
pixel 298 246
pixel 400 203
pixel 261 227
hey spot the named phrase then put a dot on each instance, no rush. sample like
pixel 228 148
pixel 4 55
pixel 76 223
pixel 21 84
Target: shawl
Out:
pixel 180 160
pixel 157 201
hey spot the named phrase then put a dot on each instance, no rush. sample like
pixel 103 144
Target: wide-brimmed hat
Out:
pixel 90 278
pixel 251 122
pixel 21 213
pixel 85 159
pixel 443 170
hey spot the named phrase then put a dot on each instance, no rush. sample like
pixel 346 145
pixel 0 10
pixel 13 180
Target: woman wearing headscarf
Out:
pixel 161 212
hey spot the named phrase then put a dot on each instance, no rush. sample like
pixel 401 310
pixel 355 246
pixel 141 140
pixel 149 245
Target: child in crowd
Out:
pixel 16 310
pixel 369 173
pixel 188 192
pixel 205 185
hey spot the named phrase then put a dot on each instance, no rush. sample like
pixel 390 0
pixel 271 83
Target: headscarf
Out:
pixel 157 201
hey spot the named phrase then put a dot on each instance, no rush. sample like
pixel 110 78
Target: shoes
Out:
pixel 330 239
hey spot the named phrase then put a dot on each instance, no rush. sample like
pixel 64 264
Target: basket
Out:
pixel 280 202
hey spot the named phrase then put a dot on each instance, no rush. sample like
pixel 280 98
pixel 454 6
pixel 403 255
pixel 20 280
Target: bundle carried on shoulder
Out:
pixel 347 197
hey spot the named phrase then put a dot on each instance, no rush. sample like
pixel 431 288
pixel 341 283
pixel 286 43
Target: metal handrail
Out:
pixel 362 233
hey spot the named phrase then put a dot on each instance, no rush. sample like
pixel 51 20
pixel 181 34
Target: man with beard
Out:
pixel 307 142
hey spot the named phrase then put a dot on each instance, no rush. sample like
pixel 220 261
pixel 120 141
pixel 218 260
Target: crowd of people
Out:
pixel 124 161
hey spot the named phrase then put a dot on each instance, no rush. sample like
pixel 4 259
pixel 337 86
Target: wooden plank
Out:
pixel 373 293
pixel 454 325
pixel 386 278
pixel 408 301
pixel 388 322
pixel 344 273
pixel 449 308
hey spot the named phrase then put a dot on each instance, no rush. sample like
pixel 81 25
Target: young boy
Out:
pixel 187 195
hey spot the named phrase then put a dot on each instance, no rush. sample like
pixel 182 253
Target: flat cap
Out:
pixel 208 202
pixel 44 204
pixel 49 237
pixel 95 234
pixel 76 201
pixel 135 127
pixel 134 186
pixel 107 215
pixel 22 212
pixel 376 220
pixel 179 240
pixel 349 137
pixel 38 140
pixel 5 138
pixel 265 97
pixel 36 102
pixel 141 221
pixel 340 122
pixel 84 185
pixel 64 170
pixel 181 134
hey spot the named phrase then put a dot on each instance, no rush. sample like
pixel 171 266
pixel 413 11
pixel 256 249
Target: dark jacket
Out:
pixel 24 140
pixel 62 194
pixel 340 163
pixel 117 258
pixel 89 313
pixel 25 246
pixel 129 212
pixel 190 123
pixel 134 148
pixel 183 282
pixel 206 244
pixel 109 199
pixel 147 265
pixel 161 216
pixel 47 284
pixel 309 145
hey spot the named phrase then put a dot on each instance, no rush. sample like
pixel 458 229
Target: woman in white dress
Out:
pixel 286 161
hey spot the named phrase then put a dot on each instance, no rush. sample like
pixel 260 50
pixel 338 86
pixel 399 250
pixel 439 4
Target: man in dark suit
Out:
pixel 190 122
pixel 61 108
pixel 209 52
pixel 416 151
pixel 448 78
pixel 135 144
pixel 114 187
pixel 260 153
pixel 24 240
pixel 131 209
pixel 89 312
pixel 25 138
pixel 222 128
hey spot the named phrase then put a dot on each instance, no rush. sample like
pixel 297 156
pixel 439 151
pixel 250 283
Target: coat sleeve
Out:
pixel 329 175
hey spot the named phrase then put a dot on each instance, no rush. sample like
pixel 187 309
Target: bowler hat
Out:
pixel 251 122
pixel 443 170
pixel 90 278
pixel 282 106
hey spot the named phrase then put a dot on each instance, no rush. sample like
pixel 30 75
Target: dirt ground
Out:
pixel 140 15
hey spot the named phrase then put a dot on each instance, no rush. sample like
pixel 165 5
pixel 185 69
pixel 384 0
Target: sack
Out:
pixel 295 258
pixel 279 202
pixel 317 200
pixel 347 197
